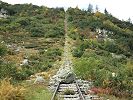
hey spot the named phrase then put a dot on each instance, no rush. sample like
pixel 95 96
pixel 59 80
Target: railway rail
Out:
pixel 68 91
pixel 77 90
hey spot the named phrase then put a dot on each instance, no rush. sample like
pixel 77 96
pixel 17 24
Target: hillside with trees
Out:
pixel 32 41
pixel 102 50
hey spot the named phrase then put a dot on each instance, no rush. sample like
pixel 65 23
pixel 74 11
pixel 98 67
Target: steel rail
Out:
pixel 79 90
pixel 56 90
pixel 77 86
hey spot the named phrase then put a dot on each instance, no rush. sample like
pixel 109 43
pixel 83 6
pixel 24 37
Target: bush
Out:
pixel 23 21
pixel 77 52
pixel 24 74
pixel 3 49
pixel 36 32
pixel 73 35
pixel 9 92
pixel 11 70
pixel 7 70
pixel 54 52
pixel 55 32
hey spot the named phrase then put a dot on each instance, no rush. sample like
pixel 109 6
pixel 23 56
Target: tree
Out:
pixel 90 8
pixel 129 20
pixel 97 9
pixel 105 11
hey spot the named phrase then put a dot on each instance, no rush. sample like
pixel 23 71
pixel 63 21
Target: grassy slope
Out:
pixel 39 31
pixel 93 59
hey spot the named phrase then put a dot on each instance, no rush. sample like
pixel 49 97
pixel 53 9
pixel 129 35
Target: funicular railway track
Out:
pixel 73 87
pixel 77 90
pixel 65 85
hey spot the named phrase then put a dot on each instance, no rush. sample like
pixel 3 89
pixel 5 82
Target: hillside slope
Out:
pixel 32 40
pixel 103 50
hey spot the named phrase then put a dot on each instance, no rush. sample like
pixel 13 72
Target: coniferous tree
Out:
pixel 129 20
pixel 90 8
pixel 97 9
pixel 105 11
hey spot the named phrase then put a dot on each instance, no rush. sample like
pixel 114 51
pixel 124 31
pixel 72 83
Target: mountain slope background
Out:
pixel 32 40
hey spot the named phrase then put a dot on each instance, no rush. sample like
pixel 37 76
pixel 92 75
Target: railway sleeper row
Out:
pixel 79 91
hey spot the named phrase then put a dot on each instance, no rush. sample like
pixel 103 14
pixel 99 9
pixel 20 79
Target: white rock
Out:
pixel 113 74
pixel 39 79
pixel 18 49
pixel 2 41
pixel 21 64
pixel 25 62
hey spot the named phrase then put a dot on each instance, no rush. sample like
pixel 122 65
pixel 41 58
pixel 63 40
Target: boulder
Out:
pixel 39 79
pixel 70 78
pixel 25 62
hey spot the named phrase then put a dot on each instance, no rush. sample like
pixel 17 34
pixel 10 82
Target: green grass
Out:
pixel 38 92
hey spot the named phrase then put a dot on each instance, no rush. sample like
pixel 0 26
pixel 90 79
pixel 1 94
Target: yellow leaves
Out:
pixel 9 92
pixel 129 66
pixel 15 58
pixel 106 83
pixel 128 31
pixel 19 68
pixel 44 74
pixel 110 24
pixel 75 30
pixel 100 15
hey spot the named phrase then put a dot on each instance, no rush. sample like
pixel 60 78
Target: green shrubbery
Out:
pixel 7 70
pixel 30 26
pixel 78 52
pixel 3 49
pixel 10 70
pixel 100 69
pixel 43 21
pixel 99 58
pixel 54 52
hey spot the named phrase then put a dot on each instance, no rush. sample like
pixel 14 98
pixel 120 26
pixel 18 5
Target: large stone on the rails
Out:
pixel 69 78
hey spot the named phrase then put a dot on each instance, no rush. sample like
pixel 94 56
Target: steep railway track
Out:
pixel 68 91
pixel 76 90
pixel 64 84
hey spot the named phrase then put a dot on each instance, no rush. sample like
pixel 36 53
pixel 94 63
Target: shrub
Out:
pixel 11 70
pixel 3 49
pixel 73 36
pixel 55 32
pixel 77 52
pixel 21 75
pixel 37 32
pixel 23 21
pixel 54 52
pixel 9 92
pixel 7 70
